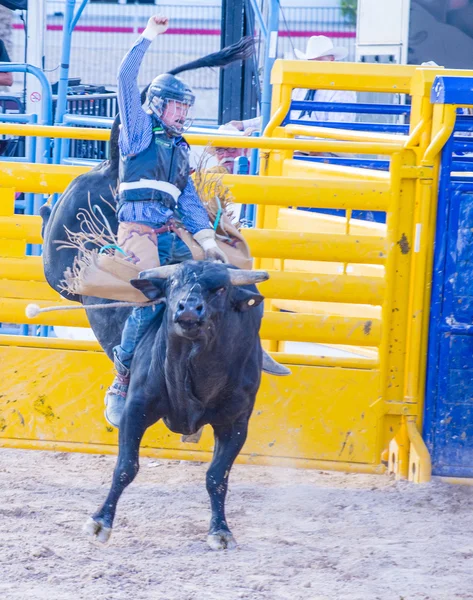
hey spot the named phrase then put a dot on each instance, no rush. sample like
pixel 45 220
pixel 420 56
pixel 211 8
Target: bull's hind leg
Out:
pixel 229 441
pixel 134 423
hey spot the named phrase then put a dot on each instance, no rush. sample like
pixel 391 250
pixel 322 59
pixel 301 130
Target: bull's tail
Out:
pixel 239 51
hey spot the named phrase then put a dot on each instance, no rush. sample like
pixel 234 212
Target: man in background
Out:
pixel 319 48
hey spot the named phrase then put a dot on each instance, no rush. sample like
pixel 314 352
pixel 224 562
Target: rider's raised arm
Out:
pixel 135 130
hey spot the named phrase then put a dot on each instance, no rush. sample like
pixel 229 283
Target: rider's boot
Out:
pixel 115 396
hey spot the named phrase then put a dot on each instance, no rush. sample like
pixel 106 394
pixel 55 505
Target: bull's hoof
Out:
pixel 221 540
pixel 97 529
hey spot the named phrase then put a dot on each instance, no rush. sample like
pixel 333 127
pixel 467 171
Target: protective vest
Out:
pixel 159 172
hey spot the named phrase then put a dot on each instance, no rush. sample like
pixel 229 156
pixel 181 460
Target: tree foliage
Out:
pixel 349 10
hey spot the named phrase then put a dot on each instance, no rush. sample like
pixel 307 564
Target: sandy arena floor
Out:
pixel 302 534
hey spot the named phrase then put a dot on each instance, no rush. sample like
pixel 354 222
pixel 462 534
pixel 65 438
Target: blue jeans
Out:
pixel 171 250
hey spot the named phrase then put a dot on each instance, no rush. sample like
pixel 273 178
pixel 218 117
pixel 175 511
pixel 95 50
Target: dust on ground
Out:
pixel 302 534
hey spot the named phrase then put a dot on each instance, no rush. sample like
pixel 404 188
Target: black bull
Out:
pixel 185 381
pixel 201 366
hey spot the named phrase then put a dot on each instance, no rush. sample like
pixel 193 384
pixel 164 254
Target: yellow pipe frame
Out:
pixel 276 326
pixel 318 287
pixel 246 188
pixel 442 136
pixel 273 243
pixel 338 412
pixel 263 243
pixel 346 134
pixel 280 113
pixel 21 341
pixel 420 467
pixel 221 141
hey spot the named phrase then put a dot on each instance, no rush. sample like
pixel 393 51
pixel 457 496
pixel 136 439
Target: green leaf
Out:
pixel 349 8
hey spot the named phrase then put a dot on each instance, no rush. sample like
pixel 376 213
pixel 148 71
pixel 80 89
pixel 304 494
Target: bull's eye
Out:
pixel 219 291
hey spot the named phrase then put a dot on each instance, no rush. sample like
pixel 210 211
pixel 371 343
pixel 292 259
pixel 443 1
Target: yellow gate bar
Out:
pixel 281 191
pixel 282 285
pixel 7 200
pixel 359 77
pixel 29 341
pixel 276 326
pixel 302 168
pixel 21 227
pixel 246 189
pixel 29 268
pixel 27 290
pixel 264 243
pixel 326 361
pixel 346 134
pixel 22 341
pixel 275 243
pixel 320 329
pixel 320 287
pixel 12 310
pixel 38 178
pixel 85 133
pixel 56 131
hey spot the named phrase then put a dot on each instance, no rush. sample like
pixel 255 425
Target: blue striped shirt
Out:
pixel 136 133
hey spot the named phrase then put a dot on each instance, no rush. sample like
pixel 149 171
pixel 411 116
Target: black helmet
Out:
pixel 169 87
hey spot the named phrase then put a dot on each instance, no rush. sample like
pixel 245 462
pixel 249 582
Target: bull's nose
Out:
pixel 189 311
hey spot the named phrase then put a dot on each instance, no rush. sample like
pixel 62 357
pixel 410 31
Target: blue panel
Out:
pixel 448 419
pixel 463 145
pixel 375 216
pixel 459 260
pixel 452 90
pixel 366 163
pixel 359 107
pixel 379 127
pixel 463 309
pixel 453 428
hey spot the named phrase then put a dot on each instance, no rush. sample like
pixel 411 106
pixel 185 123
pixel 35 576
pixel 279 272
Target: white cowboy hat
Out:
pixel 321 45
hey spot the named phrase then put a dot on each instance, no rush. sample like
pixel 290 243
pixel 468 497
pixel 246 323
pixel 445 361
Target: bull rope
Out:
pixel 33 310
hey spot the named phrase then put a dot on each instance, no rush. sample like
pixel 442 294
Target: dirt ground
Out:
pixel 302 534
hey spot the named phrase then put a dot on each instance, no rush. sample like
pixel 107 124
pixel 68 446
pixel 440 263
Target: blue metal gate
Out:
pixel 448 424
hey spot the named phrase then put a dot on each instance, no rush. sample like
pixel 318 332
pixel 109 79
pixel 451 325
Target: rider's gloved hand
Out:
pixel 206 240
pixel 156 25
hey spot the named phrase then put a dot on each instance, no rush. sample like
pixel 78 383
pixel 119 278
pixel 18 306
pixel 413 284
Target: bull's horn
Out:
pixel 158 272
pixel 242 277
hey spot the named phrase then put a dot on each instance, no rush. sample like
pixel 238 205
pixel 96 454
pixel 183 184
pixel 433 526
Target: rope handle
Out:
pixel 218 216
pixel 114 246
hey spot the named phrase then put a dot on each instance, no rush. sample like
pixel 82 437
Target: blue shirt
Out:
pixel 136 132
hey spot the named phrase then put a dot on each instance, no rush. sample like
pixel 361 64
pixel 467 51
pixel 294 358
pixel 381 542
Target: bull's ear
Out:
pixel 244 299
pixel 151 288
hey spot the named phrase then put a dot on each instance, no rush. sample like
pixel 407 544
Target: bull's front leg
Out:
pixel 229 441
pixel 134 422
